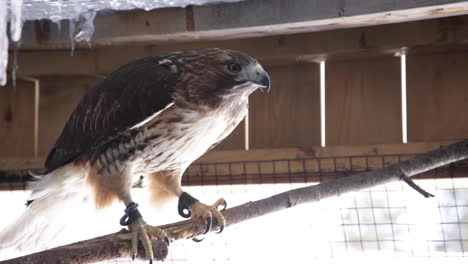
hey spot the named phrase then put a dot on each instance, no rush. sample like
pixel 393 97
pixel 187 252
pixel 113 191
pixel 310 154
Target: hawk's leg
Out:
pixel 141 231
pixel 191 207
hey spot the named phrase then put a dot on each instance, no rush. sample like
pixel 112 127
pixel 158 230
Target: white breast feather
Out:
pixel 199 131
pixel 211 128
pixel 204 133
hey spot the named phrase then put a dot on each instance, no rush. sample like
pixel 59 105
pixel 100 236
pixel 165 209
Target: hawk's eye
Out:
pixel 234 68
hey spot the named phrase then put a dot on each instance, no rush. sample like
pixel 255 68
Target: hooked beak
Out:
pixel 255 74
pixel 262 77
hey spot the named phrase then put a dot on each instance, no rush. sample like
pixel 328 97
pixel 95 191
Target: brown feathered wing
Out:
pixel 125 98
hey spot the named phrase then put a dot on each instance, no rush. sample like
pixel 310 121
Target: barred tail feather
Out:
pixel 56 197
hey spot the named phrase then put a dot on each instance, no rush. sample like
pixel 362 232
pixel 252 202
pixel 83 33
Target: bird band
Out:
pixel 131 214
pixel 186 202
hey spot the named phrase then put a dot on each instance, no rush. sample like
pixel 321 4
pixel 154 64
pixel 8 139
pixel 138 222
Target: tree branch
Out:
pixel 118 244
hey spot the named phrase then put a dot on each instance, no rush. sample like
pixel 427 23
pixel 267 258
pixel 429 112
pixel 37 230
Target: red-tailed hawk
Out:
pixel 155 115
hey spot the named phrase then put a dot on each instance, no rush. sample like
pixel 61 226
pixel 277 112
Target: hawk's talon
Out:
pixel 139 233
pixel 191 207
pixel 207 213
pixel 145 233
pixel 221 229
pixel 167 240
pixel 209 224
pixel 198 240
pixel 223 203
pixel 220 202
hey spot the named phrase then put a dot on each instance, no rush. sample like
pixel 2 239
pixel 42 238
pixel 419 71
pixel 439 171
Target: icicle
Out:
pixel 71 29
pixel 3 42
pixel 16 26
pixel 14 67
pixel 86 27
pixel 70 9
pixel 59 26
pixel 16 22
pixel 59 16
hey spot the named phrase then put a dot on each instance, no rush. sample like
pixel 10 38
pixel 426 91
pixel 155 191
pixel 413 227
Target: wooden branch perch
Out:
pixel 118 244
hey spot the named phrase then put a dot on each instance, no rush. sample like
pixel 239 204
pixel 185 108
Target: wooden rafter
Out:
pixel 241 20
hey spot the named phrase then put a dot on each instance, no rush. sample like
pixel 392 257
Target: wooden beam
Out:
pixel 289 114
pixel 420 36
pixel 319 152
pixel 437 95
pixel 363 102
pixel 17 121
pixel 245 19
pixel 8 164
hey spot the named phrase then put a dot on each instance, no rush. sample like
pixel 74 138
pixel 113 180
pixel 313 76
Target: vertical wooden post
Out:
pixel 36 111
pixel 322 104
pixel 404 122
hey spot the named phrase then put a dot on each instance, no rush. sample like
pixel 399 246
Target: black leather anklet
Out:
pixel 131 214
pixel 186 202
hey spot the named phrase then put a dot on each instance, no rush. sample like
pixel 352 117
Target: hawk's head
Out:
pixel 208 76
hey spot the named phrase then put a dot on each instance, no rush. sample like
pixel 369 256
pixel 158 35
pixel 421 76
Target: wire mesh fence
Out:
pixel 306 170
pixel 385 221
